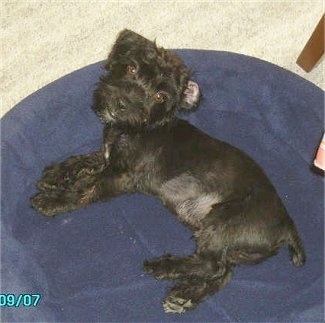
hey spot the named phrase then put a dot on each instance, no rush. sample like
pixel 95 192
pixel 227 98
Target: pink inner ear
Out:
pixel 192 93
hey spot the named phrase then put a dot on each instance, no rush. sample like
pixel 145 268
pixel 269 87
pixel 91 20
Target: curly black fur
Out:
pixel 219 192
pixel 144 86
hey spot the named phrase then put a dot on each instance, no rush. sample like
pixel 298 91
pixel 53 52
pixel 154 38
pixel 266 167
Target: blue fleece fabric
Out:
pixel 87 265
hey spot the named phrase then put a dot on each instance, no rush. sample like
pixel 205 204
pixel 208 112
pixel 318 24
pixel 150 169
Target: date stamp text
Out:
pixel 13 300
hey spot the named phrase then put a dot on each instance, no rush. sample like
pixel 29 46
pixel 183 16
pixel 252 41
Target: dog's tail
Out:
pixel 296 249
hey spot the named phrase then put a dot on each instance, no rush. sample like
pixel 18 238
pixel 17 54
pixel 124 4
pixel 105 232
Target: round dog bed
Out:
pixel 87 265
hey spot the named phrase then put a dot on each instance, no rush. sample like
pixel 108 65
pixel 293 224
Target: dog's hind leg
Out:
pixel 296 249
pixel 187 294
pixel 253 228
pixel 173 267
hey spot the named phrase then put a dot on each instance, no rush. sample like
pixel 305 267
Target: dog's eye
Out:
pixel 131 70
pixel 160 97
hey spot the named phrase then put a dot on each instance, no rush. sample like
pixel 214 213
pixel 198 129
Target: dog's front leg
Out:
pixel 63 175
pixel 84 191
pixel 110 136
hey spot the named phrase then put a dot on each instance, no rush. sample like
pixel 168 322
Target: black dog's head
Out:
pixel 145 85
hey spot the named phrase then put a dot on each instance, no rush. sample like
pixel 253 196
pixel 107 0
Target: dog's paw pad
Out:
pixel 173 304
pixel 43 204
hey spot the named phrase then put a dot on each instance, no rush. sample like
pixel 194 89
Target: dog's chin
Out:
pixel 106 116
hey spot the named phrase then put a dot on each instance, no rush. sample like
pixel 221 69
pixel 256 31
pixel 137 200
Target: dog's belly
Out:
pixel 186 196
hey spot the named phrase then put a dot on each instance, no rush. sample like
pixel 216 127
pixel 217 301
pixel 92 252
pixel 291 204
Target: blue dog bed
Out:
pixel 87 265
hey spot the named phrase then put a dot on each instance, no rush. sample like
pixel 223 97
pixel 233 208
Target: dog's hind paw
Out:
pixel 173 304
pixel 183 297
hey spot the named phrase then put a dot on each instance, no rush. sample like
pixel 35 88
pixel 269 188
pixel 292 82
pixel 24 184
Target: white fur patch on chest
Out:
pixel 198 207
pixel 189 198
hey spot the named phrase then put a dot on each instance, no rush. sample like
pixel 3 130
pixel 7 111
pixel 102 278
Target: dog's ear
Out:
pixel 127 35
pixel 191 96
pixel 126 43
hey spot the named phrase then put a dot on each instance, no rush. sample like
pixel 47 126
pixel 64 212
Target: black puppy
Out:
pixel 214 188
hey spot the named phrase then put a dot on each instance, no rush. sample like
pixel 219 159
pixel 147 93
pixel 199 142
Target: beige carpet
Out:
pixel 44 40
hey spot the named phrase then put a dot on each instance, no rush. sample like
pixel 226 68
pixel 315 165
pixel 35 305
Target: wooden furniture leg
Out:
pixel 314 48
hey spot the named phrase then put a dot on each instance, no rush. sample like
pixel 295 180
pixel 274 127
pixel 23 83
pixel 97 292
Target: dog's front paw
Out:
pixel 45 204
pixel 79 194
pixel 60 176
pixel 54 177
pixel 55 202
